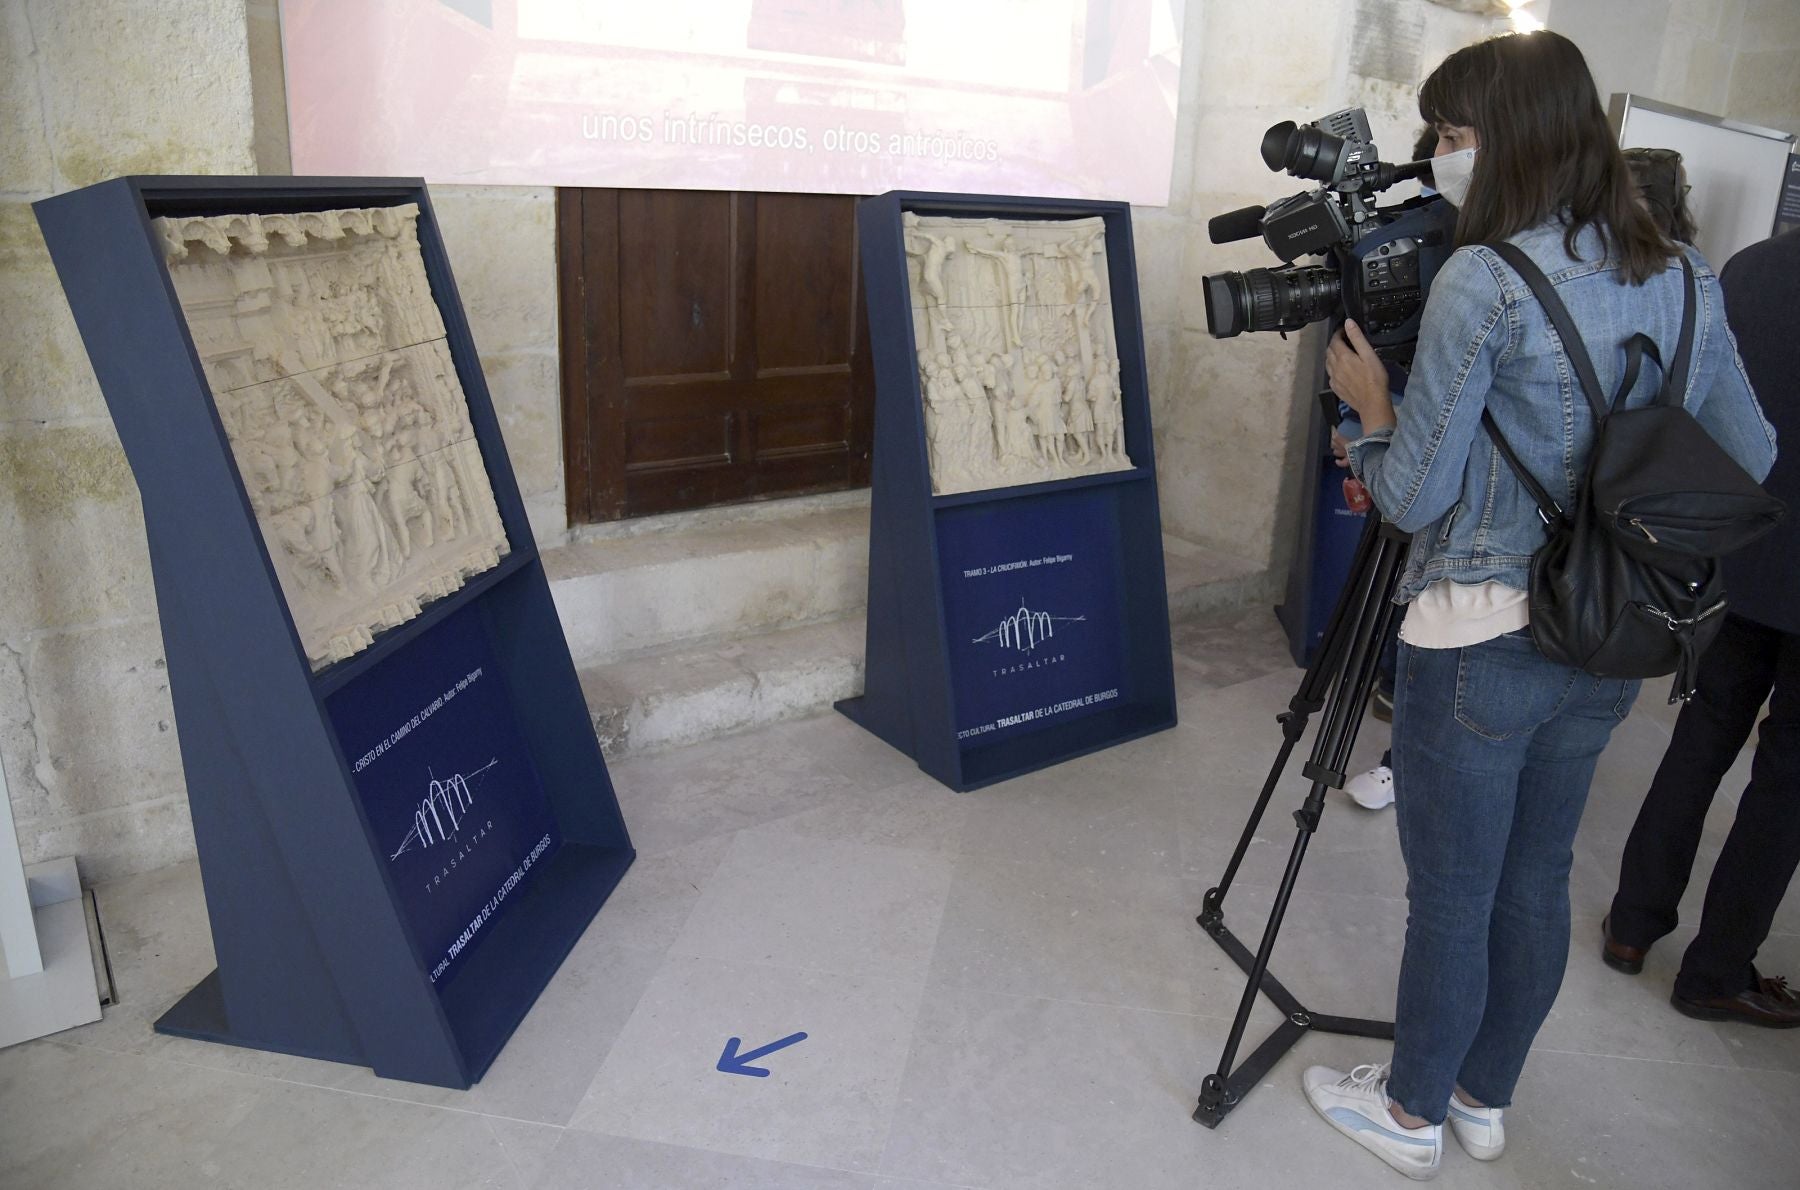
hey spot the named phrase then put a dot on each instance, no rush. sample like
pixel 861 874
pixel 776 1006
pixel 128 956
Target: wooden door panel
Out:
pixel 678 442
pixel 805 282
pixel 714 349
pixel 800 429
pixel 678 282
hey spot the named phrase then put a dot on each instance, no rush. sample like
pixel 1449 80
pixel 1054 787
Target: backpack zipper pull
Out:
pixel 1639 526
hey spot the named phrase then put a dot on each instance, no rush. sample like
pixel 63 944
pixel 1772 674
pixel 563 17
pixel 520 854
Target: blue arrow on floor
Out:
pixel 732 1062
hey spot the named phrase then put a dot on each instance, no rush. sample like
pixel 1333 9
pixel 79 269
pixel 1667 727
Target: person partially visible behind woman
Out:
pixel 1494 744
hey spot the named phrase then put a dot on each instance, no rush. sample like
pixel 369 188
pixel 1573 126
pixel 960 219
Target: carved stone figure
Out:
pixel 1079 413
pixel 329 366
pixel 1014 316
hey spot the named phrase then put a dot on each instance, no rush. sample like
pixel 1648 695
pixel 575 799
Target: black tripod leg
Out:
pixel 1327 662
pixel 1365 613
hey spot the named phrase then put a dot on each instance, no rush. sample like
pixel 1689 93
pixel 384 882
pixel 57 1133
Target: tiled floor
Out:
pixel 999 989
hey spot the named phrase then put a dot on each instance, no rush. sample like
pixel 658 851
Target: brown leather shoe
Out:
pixel 1770 1004
pixel 1617 955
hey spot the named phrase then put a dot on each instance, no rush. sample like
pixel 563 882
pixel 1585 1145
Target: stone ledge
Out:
pixel 684 693
pixel 624 596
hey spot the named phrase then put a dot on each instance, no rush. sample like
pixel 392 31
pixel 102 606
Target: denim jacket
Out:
pixel 1485 343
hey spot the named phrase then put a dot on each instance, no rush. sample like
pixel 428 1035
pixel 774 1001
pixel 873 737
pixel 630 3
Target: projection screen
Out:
pixel 1048 97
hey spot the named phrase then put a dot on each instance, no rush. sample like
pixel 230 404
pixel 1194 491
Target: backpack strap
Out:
pixel 1540 285
pixel 1636 348
pixel 1674 390
pixel 1549 511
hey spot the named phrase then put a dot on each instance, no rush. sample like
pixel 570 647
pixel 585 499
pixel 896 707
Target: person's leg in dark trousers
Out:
pixel 1736 674
pixel 1761 851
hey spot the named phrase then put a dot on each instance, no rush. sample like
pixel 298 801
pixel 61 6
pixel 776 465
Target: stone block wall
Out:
pixel 1735 58
pixel 91 89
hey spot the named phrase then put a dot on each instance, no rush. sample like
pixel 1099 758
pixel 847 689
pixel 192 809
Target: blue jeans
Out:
pixel 1494 749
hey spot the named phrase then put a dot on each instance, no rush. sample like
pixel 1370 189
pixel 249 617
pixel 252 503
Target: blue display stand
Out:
pixel 335 935
pixel 1324 547
pixel 1073 568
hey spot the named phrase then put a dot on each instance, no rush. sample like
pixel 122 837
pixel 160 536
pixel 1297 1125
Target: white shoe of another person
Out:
pixel 1373 790
pixel 1478 1129
pixel 1356 1104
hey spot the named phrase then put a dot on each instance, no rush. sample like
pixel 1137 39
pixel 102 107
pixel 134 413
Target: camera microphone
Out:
pixel 1245 223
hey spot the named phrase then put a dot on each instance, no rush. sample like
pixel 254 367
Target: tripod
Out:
pixel 1339 680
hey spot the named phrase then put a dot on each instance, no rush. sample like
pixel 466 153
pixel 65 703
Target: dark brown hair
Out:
pixel 1662 184
pixel 1545 148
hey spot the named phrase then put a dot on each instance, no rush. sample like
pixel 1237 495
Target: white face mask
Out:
pixel 1452 172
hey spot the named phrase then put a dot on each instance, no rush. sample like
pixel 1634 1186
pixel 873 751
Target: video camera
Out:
pixel 1380 261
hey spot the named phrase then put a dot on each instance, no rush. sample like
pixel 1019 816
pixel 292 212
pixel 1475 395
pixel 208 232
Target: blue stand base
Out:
pixel 487 998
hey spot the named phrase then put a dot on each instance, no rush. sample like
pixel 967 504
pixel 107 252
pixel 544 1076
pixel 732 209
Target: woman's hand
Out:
pixel 1340 449
pixel 1359 378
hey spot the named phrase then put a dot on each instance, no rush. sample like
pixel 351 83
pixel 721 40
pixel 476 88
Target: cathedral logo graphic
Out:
pixel 439 817
pixel 1024 631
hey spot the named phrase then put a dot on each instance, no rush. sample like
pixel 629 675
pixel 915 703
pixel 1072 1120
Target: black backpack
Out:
pixel 1629 583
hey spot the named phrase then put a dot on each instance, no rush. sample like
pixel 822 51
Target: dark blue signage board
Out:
pixel 1011 628
pixel 1787 211
pixel 453 801
pixel 1031 601
pixel 1337 528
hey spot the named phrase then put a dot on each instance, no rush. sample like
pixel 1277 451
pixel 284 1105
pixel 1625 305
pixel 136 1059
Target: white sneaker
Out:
pixel 1478 1129
pixel 1356 1104
pixel 1373 790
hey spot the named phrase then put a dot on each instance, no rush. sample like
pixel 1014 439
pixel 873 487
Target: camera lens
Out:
pixel 1308 152
pixel 1283 299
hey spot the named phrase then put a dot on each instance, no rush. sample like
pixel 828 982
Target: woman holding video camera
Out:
pixel 1494 744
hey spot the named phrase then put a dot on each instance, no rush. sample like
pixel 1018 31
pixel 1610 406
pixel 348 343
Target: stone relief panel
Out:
pixel 1018 360
pixel 327 360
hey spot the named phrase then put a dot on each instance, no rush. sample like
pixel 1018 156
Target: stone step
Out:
pixel 686 692
pixel 683 695
pixel 709 579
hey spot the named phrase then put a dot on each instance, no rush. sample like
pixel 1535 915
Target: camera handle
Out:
pixel 1338 681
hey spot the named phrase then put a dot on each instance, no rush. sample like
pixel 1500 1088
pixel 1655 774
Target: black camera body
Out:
pixel 1379 261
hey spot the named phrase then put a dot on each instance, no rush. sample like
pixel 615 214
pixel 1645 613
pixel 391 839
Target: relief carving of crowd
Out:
pixel 1018 360
pixel 330 370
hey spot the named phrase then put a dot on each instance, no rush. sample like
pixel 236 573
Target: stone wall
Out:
pixel 1735 58
pixel 90 89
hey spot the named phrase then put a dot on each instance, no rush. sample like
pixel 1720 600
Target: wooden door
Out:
pixel 714 349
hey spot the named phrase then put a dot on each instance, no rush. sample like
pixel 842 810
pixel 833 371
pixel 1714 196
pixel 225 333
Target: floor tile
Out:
pixel 1582 1121
pixel 551 1059
pixel 1091 812
pixel 585 1161
pixel 725 785
pixel 1603 1011
pixel 919 813
pixel 1017 1091
pixel 848 908
pixel 1091 935
pixel 827 1101
pixel 80 1117
pixel 651 904
pixel 527 1147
